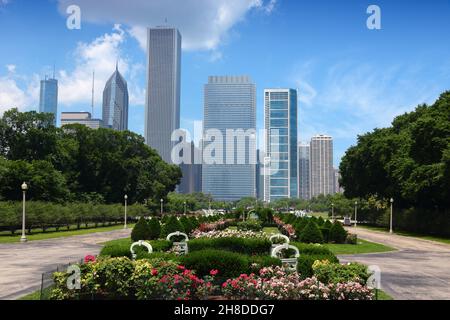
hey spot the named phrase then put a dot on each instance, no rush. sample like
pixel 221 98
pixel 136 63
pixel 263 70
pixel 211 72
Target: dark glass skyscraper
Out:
pixel 162 109
pixel 48 97
pixel 115 102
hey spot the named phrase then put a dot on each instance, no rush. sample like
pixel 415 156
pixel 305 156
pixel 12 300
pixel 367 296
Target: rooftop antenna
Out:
pixel 92 102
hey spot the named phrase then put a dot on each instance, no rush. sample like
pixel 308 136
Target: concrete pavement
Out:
pixel 22 264
pixel 419 270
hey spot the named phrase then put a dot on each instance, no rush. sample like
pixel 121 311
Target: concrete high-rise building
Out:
pixel 192 172
pixel 229 104
pixel 321 164
pixel 48 97
pixel 162 105
pixel 259 174
pixel 115 102
pixel 83 118
pixel 303 171
pixel 337 186
pixel 280 121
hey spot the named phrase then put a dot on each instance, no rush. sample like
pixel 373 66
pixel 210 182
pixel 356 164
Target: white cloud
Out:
pixel 12 95
pixel 100 55
pixel 202 23
pixel 11 68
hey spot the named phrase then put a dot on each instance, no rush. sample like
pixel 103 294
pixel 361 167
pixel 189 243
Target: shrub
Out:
pixel 327 224
pixel 306 261
pixel 262 261
pixel 327 272
pixel 325 234
pixel 154 228
pixel 141 231
pixel 241 245
pixel 320 221
pixel 250 225
pixel 187 224
pixel 172 225
pixel 229 264
pixel 351 239
pixel 312 249
pixel 299 225
pixel 311 233
pixel 121 247
pixel 338 233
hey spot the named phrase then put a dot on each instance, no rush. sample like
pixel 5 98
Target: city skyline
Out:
pixel 371 76
pixel 115 102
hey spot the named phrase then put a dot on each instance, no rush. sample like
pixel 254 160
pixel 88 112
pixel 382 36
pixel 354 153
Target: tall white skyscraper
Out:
pixel 115 102
pixel 162 105
pixel 321 162
pixel 230 104
pixel 303 171
pixel 280 121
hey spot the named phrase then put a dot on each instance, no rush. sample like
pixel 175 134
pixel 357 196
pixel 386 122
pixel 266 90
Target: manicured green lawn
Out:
pixel 384 296
pixel 320 214
pixel 363 246
pixel 271 230
pixel 409 234
pixel 6 238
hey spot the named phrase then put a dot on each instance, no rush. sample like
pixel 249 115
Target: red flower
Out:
pixel 89 258
pixel 213 272
pixel 180 267
pixel 154 272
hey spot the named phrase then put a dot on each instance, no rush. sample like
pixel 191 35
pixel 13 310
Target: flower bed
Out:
pixel 277 284
pixel 286 228
pixel 150 279
pixel 229 234
pixel 218 225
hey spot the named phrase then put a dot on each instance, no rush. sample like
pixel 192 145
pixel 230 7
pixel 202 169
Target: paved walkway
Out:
pixel 21 264
pixel 419 270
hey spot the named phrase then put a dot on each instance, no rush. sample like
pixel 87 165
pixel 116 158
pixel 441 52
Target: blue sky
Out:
pixel 350 79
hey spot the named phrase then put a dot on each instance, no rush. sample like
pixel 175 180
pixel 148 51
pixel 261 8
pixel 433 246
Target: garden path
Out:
pixel 21 264
pixel 419 270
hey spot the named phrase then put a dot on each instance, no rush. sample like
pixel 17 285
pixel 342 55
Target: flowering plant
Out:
pixel 229 234
pixel 89 258
pixel 288 228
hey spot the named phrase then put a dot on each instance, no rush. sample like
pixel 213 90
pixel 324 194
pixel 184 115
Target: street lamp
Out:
pixel 356 213
pixel 125 221
pixel 162 201
pixel 185 208
pixel 23 238
pixel 390 224
pixel 332 211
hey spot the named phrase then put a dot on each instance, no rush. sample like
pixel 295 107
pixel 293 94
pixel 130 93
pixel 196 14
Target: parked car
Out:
pixel 347 221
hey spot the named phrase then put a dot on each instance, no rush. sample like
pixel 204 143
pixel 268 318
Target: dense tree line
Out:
pixel 410 162
pixel 75 163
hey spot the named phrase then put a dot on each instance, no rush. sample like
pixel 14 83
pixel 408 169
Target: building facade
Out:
pixel 304 186
pixel 162 106
pixel 115 102
pixel 321 162
pixel 48 97
pixel 83 118
pixel 280 122
pixel 337 186
pixel 229 106
pixel 192 172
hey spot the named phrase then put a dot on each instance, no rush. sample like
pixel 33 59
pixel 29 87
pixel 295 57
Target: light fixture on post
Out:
pixel 125 197
pixel 23 238
pixel 162 204
pixel 332 212
pixel 356 213
pixel 185 208
pixel 390 222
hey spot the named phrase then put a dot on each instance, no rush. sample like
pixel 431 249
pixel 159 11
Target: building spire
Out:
pixel 117 64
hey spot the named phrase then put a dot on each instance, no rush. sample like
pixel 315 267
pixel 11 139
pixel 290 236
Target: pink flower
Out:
pixel 180 267
pixel 154 272
pixel 213 272
pixel 89 258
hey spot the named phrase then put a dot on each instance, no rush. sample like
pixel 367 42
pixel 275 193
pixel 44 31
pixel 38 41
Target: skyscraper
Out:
pixel 48 97
pixel 162 106
pixel 229 106
pixel 192 172
pixel 321 162
pixel 280 121
pixel 337 186
pixel 303 171
pixel 115 102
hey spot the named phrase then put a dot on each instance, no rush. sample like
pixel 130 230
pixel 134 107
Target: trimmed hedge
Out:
pixel 48 215
pixel 141 231
pixel 229 264
pixel 240 245
pixel 121 247
pixel 311 233
pixel 337 233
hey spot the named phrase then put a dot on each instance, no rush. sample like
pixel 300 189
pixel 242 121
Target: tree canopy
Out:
pixel 77 163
